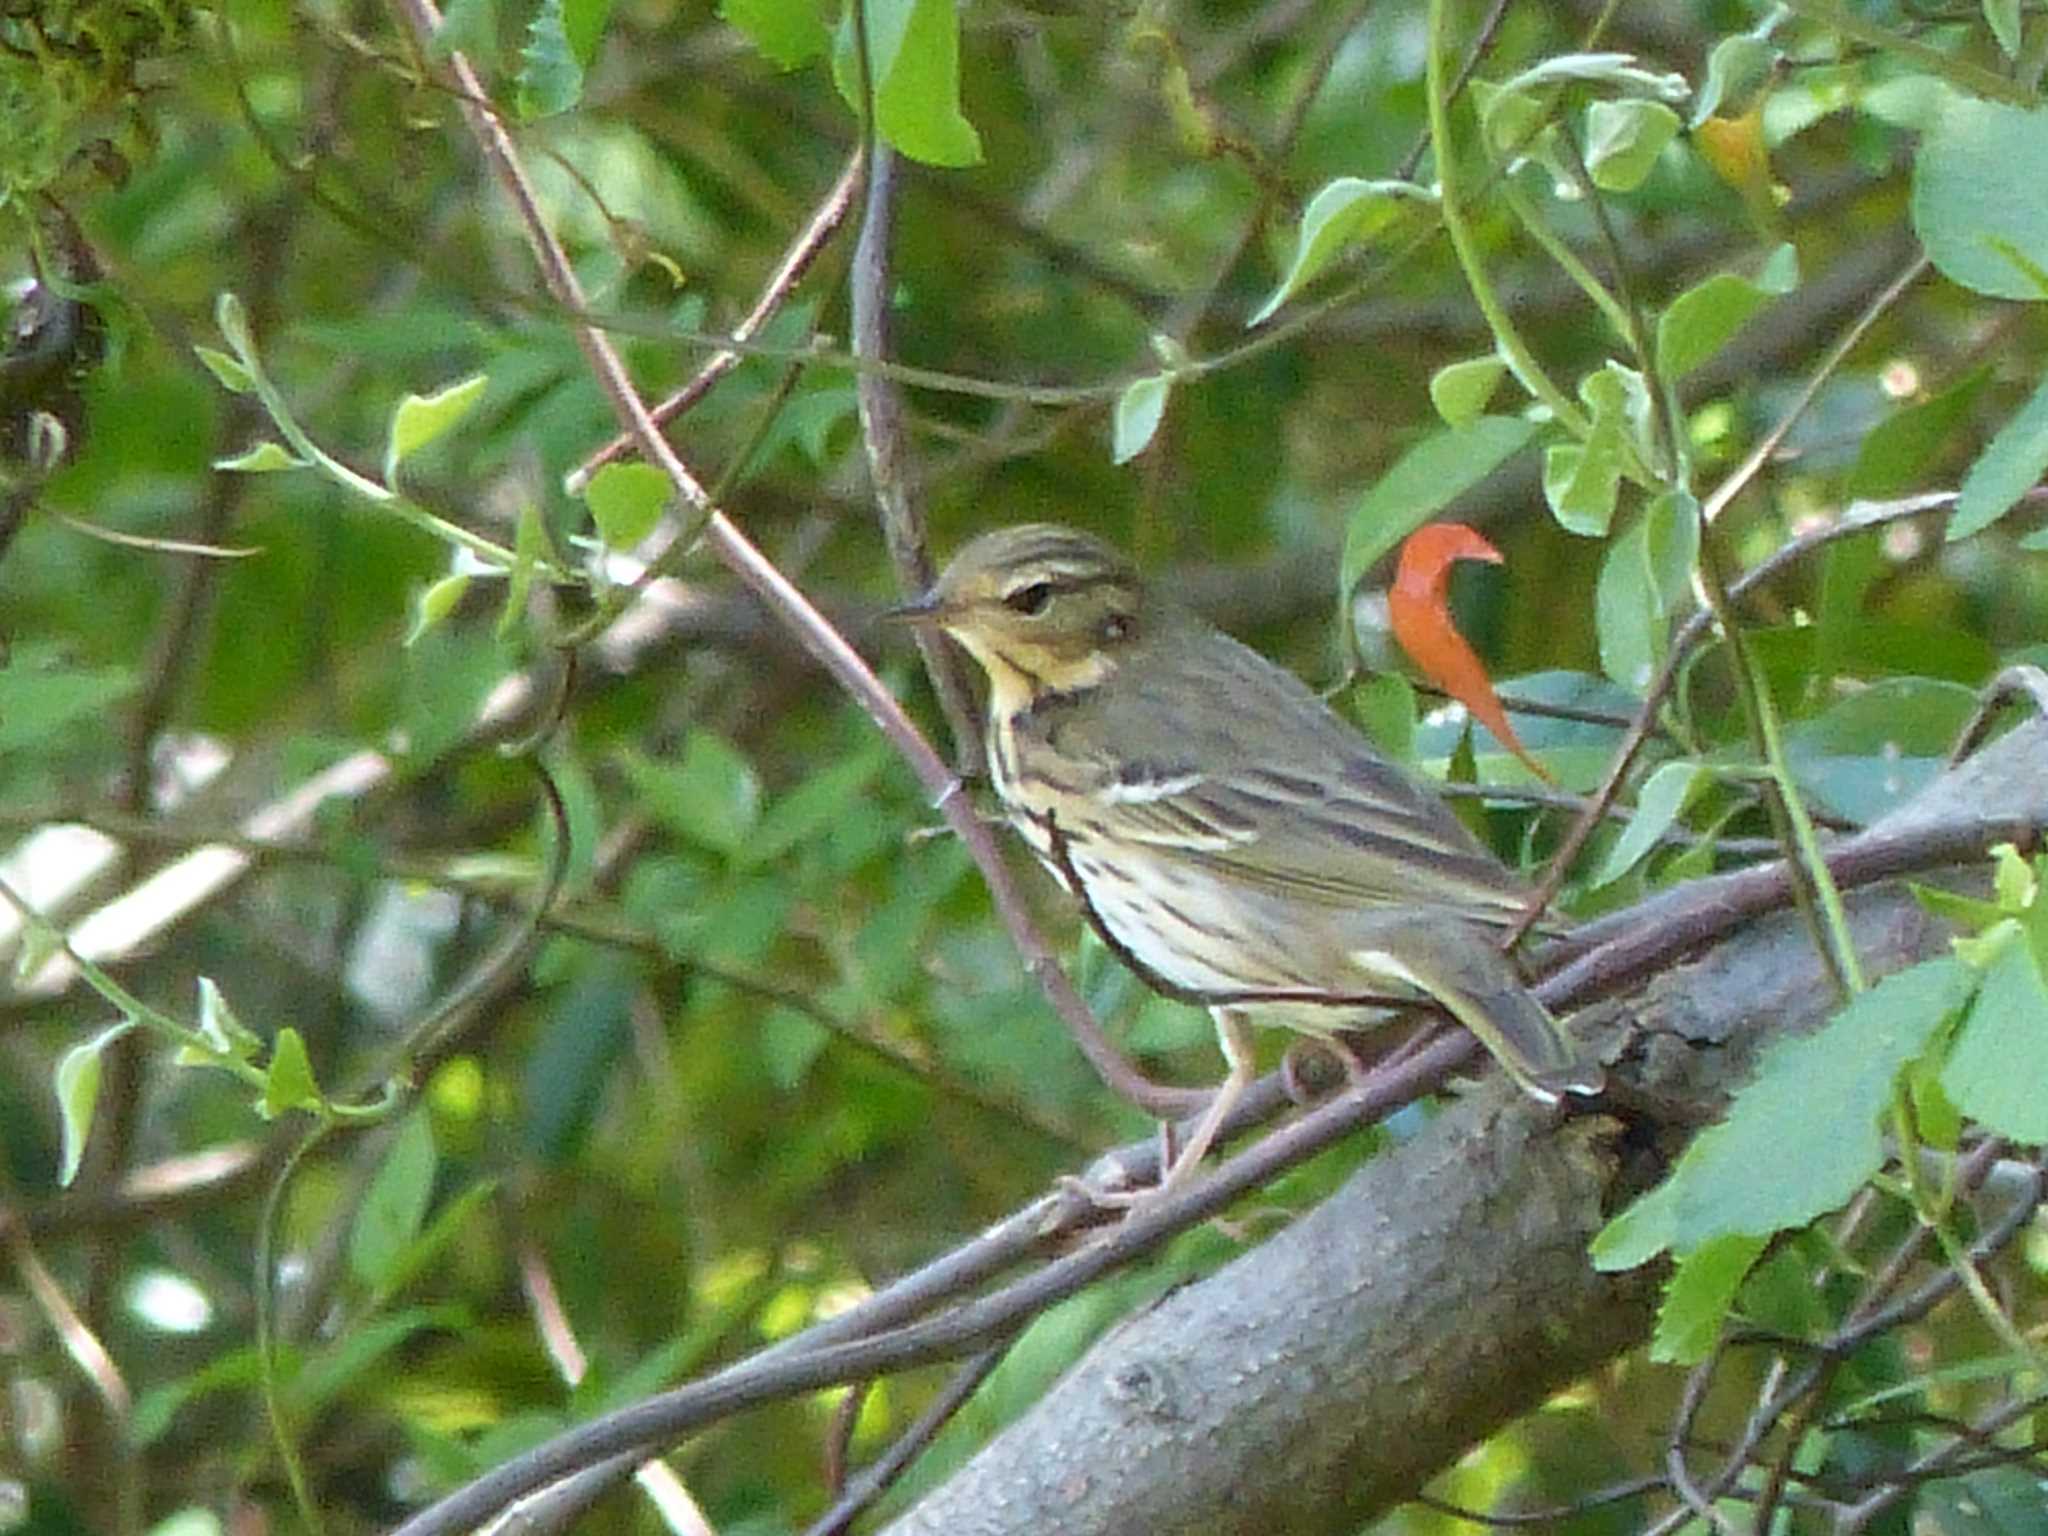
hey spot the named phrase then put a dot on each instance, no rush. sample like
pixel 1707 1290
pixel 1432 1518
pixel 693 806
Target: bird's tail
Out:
pixel 1460 968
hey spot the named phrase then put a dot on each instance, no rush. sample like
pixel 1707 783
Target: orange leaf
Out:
pixel 1421 620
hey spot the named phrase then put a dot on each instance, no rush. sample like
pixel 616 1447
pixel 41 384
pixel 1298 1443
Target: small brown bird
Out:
pixel 1226 831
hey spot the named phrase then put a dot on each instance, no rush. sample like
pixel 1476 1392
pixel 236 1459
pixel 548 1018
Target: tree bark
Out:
pixel 1326 1375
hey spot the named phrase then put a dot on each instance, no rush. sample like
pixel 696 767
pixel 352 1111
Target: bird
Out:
pixel 1226 833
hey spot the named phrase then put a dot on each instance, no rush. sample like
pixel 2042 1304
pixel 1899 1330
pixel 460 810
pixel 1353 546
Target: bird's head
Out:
pixel 1041 607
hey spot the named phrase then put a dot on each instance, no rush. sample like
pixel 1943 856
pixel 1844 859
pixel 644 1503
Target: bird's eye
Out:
pixel 1029 600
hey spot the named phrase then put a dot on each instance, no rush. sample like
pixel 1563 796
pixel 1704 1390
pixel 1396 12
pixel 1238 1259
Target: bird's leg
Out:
pixel 1235 1038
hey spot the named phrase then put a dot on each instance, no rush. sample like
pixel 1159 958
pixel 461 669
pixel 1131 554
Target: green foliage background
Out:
pixel 772 1048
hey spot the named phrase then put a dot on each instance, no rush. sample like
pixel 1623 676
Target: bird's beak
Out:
pixel 921 610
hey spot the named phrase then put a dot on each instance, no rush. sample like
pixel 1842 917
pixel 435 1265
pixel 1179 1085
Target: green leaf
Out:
pixel 419 419
pixel 263 459
pixel 1624 139
pixel 1459 391
pixel 1139 410
pixel 1663 799
pixel 1967 199
pixel 550 80
pixel 1997 1068
pixel 327 1371
pixel 2010 467
pixel 626 502
pixel 1384 707
pixel 1737 66
pixel 232 375
pixel 1708 315
pixel 1345 212
pixel 41 696
pixel 1810 1116
pixel 788 33
pixel 233 323
pixel 436 601
pixel 442 1232
pixel 194 1521
pixel 78 1095
pixel 1697 1297
pixel 711 797
pixel 1645 581
pixel 389 1217
pixel 584 22
pixel 811 807
pixel 289 1082
pixel 914 53
pixel 2003 17
pixel 1871 751
pixel 223 1033
pixel 1897 452
pixel 530 549
pixel 1424 480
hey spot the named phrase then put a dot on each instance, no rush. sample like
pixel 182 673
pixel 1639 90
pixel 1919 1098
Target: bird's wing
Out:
pixel 1279 796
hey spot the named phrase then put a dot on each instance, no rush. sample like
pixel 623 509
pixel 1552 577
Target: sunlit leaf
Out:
pixel 788 33
pixel 78 1095
pixel 263 459
pixel 1624 139
pixel 1459 391
pixel 626 502
pixel 1708 315
pixel 1967 198
pixel 1346 212
pixel 2009 467
pixel 418 420
pixel 1139 410
pixel 1999 1063
pixel 1660 803
pixel 289 1082
pixel 1702 1287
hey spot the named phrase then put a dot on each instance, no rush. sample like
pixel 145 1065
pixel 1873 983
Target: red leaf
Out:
pixel 1421 620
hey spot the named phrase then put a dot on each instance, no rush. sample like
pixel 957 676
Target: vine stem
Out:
pixel 1516 350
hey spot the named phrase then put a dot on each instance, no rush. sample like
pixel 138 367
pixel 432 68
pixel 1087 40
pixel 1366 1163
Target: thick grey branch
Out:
pixel 1326 1375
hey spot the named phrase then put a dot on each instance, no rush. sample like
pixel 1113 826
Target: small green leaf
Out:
pixel 1424 480
pixel 788 33
pixel 1645 582
pixel 1707 316
pixel 219 1027
pixel 41 695
pixel 914 53
pixel 2015 881
pixel 584 21
pixel 1459 391
pixel 1967 200
pixel 1996 1071
pixel 232 375
pixel 1898 451
pixel 1624 139
pixel 394 1205
pixel 263 459
pixel 233 323
pixel 419 419
pixel 436 601
pixel 711 797
pixel 1139 410
pixel 2007 469
pixel 1735 69
pixel 2003 17
pixel 289 1083
pixel 626 502
pixel 811 807
pixel 530 549
pixel 550 79
pixel 1582 480
pixel 1662 801
pixel 78 1095
pixel 1345 212
pixel 1697 1297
